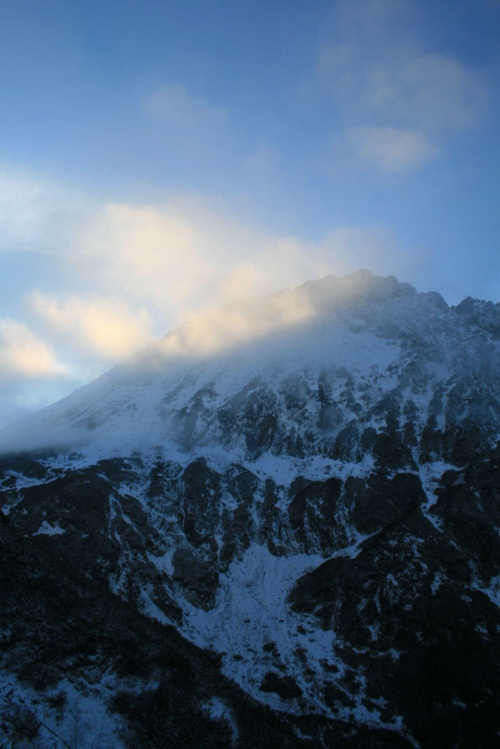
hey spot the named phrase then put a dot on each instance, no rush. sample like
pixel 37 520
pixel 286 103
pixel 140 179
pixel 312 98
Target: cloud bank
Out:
pixel 129 273
pixel 88 277
pixel 22 354
pixel 112 275
pixel 104 327
pixel 399 100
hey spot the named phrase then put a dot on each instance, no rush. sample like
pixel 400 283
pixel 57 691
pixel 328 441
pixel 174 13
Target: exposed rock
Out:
pixel 284 686
pixel 197 576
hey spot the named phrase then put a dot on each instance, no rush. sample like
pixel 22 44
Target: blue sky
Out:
pixel 160 157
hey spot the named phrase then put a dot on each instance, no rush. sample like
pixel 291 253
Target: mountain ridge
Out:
pixel 380 308
pixel 318 505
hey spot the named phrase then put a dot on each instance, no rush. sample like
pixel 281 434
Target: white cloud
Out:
pixel 393 94
pixel 128 273
pixel 24 355
pixel 148 253
pixel 225 326
pixel 389 149
pixel 175 105
pixel 105 328
pixel 33 211
pixel 191 262
pixel 434 92
pixel 190 253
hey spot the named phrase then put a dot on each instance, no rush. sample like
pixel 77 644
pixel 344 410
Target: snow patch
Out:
pixel 492 590
pixel 218 710
pixel 46 529
pixel 269 636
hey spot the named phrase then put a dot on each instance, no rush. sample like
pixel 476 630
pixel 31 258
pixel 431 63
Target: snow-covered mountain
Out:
pixel 285 374
pixel 305 486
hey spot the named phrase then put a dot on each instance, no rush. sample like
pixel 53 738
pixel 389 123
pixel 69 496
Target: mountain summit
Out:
pixel 286 373
pixel 302 494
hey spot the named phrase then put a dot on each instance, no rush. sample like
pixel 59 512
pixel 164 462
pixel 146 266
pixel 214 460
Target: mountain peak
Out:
pixel 362 335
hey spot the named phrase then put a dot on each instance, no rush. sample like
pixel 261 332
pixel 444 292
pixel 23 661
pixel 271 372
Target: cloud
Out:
pixel 187 255
pixel 129 272
pixel 153 254
pixel 389 149
pixel 374 248
pixel 263 164
pixel 394 95
pixel 175 105
pixel 136 271
pixel 106 328
pixel 33 210
pixel 433 92
pixel 191 254
pixel 190 139
pixel 24 355
pixel 221 328
pixel 123 274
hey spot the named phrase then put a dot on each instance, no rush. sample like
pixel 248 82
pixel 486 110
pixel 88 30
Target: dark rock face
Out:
pixel 409 618
pixel 410 603
pixel 197 576
pixel 312 503
pixel 285 687
pixel 381 501
pixel 253 414
pixel 62 626
pixel 201 502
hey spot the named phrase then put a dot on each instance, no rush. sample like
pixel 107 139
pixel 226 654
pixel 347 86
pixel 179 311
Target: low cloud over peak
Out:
pixel 106 328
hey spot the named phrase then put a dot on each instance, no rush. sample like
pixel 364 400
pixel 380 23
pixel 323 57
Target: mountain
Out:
pixel 279 525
